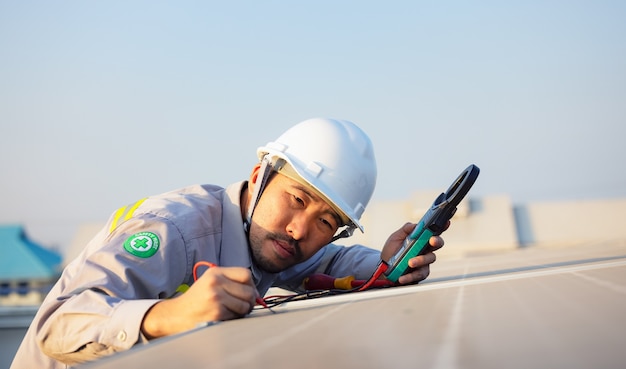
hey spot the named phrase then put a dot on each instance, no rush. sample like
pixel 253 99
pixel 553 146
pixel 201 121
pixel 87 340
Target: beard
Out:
pixel 258 237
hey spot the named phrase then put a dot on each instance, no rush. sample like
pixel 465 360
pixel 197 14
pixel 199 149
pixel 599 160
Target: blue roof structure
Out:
pixel 23 259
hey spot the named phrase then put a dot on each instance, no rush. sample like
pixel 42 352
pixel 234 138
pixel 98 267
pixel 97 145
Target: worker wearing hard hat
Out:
pixel 136 280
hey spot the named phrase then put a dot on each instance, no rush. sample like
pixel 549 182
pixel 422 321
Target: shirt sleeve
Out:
pixel 104 295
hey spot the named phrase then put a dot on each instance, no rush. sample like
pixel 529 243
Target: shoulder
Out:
pixel 193 210
pixel 196 198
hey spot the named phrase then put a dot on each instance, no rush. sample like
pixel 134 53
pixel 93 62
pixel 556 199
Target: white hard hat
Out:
pixel 334 157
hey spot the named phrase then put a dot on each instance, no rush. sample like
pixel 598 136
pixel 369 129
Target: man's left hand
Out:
pixel 419 266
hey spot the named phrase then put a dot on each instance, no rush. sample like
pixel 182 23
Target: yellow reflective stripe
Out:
pixel 133 208
pixel 182 288
pixel 123 210
pixel 117 216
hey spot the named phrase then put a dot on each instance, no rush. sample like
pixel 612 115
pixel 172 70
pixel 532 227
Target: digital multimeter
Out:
pixel 432 223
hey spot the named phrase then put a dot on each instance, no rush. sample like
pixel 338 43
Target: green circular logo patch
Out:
pixel 143 244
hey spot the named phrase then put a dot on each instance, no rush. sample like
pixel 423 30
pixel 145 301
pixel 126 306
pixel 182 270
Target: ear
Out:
pixel 254 176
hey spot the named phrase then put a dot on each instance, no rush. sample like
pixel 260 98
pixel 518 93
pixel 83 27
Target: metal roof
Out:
pixel 530 308
pixel 22 259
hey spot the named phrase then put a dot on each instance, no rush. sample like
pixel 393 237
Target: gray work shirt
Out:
pixel 145 253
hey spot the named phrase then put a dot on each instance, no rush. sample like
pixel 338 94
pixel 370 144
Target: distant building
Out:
pixel 27 270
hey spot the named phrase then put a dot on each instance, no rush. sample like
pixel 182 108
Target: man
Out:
pixel 135 280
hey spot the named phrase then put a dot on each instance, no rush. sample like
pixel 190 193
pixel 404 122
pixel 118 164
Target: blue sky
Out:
pixel 102 103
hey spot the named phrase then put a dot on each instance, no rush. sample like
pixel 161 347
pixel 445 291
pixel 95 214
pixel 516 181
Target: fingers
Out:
pixel 420 268
pixel 400 234
pixel 230 291
pixel 435 243
pixel 415 276
pixel 407 228
pixel 236 274
pixel 422 260
pixel 394 242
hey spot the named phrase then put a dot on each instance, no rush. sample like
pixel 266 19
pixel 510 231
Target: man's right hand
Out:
pixel 219 294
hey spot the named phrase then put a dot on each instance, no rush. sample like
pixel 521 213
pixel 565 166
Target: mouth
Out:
pixel 284 249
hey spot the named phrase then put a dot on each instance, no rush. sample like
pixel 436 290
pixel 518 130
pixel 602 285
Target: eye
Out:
pixel 330 223
pixel 297 199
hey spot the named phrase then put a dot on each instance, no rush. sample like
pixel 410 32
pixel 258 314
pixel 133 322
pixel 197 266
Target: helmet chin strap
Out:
pixel 264 171
pixel 345 233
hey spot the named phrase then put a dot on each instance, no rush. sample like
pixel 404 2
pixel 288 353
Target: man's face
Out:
pixel 290 224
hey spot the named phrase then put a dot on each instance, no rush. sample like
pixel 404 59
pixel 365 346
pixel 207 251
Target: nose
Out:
pixel 298 226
